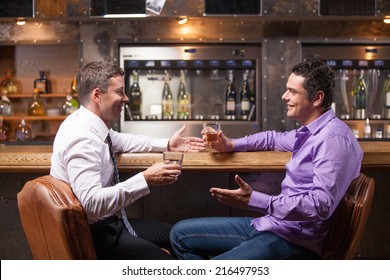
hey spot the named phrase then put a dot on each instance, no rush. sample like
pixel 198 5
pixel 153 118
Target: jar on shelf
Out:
pixel 5 105
pixel 42 83
pixel 36 106
pixel 70 105
pixel 9 83
pixel 22 132
pixel 3 131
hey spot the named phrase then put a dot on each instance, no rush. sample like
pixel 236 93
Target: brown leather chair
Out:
pixel 54 221
pixel 349 219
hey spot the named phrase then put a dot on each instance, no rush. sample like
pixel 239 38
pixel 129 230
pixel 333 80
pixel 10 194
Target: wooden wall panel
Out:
pixel 61 8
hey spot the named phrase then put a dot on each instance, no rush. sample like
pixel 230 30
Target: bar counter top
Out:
pixel 36 158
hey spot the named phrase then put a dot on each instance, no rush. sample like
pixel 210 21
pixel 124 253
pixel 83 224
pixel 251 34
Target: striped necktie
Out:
pixel 115 181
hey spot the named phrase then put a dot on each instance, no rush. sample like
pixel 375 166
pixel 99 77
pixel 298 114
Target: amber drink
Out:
pixel 210 133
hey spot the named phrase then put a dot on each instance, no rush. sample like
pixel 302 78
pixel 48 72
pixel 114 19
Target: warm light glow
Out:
pixel 124 15
pixel 182 20
pixel 185 30
pixel 21 21
pixel 387 20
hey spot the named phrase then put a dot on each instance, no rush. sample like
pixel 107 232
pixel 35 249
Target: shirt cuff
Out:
pixel 160 144
pixel 240 144
pixel 259 202
pixel 136 187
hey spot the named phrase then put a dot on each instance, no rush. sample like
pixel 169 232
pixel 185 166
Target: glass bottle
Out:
pixel 73 84
pixel 367 129
pixel 41 84
pixel 386 93
pixel 359 95
pixel 135 98
pixel 3 131
pixel 70 105
pixel 22 132
pixel 36 107
pixel 9 84
pixel 230 97
pixel 245 95
pixel 5 105
pixel 183 99
pixel 167 99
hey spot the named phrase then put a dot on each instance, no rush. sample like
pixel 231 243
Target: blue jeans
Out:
pixel 231 238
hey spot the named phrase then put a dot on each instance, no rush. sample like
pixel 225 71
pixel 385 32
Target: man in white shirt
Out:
pixel 81 157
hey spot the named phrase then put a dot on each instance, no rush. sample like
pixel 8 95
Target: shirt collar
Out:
pixel 96 123
pixel 319 123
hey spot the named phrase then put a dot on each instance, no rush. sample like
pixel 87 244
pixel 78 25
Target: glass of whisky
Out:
pixel 210 133
pixel 173 157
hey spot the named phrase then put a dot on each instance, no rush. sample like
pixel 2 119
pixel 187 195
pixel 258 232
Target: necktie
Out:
pixel 115 181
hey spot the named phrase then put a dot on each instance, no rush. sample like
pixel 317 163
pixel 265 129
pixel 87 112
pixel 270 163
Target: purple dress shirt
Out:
pixel 326 157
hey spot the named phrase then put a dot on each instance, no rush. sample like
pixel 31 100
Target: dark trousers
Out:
pixel 113 241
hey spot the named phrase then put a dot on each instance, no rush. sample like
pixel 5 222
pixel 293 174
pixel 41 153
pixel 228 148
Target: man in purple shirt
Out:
pixel 326 157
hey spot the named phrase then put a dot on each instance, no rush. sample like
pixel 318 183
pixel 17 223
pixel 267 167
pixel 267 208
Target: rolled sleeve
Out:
pixel 240 144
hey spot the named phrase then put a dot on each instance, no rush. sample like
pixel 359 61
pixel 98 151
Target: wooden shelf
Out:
pixel 41 95
pixel 34 118
pixel 364 120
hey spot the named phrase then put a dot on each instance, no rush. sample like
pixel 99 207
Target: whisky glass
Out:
pixel 210 133
pixel 173 157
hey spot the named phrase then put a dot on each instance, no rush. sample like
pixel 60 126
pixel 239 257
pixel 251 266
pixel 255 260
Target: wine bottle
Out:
pixel 167 99
pixel 36 107
pixel 245 95
pixel 386 93
pixel 9 84
pixel 41 84
pixel 135 99
pixel 183 99
pixel 22 132
pixel 359 95
pixel 230 97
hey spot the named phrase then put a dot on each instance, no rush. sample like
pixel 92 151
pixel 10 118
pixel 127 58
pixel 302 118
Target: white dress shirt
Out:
pixel 81 157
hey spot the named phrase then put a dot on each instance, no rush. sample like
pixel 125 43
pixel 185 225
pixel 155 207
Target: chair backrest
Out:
pixel 349 219
pixel 54 221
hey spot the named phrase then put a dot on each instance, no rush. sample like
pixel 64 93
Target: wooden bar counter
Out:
pixel 36 158
pixel 190 196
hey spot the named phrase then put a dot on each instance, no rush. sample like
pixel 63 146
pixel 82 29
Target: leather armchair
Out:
pixel 349 219
pixel 54 221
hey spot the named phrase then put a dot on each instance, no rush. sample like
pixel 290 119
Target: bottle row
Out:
pixel 373 129
pixel 236 105
pixel 22 131
pixel 37 107
pixel 10 85
pixel 370 94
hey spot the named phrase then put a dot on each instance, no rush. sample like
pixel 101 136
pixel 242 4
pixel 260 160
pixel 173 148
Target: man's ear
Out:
pixel 95 95
pixel 318 98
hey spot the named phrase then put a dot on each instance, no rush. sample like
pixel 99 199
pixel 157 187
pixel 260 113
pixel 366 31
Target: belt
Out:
pixel 105 221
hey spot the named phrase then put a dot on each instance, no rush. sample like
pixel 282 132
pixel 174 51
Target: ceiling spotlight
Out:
pixel 182 20
pixel 21 21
